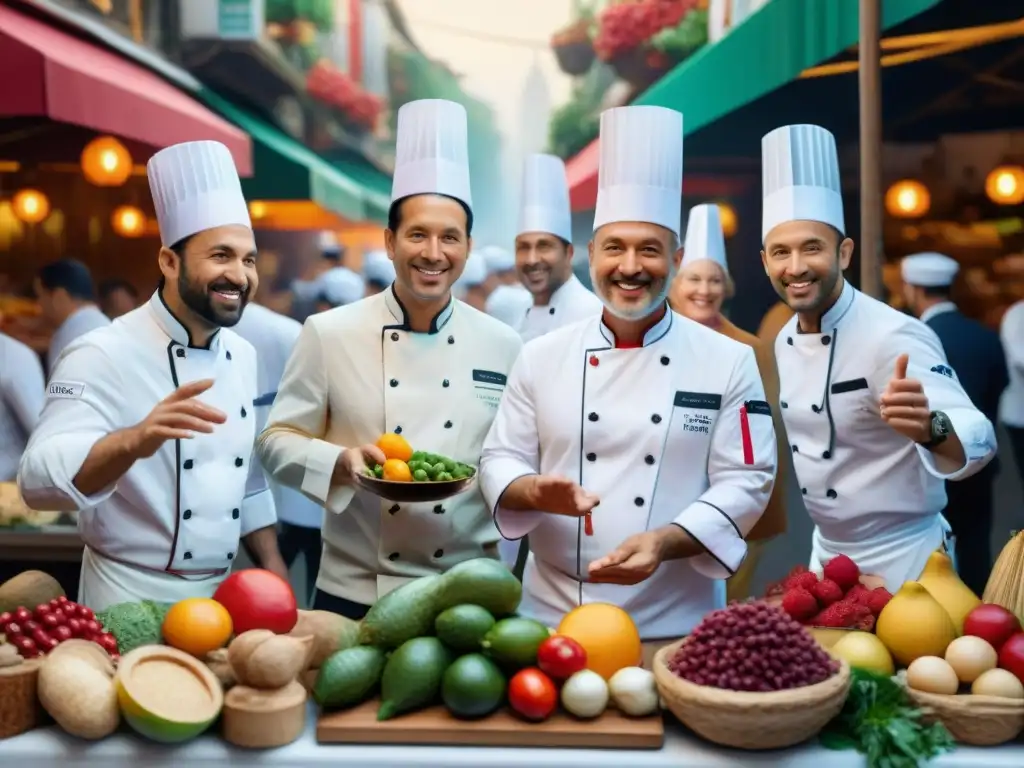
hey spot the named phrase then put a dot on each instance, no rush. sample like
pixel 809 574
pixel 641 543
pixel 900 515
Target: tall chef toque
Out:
pixel 432 151
pixel 800 176
pixel 195 187
pixel 640 177
pixel 704 236
pixel 545 202
pixel 929 270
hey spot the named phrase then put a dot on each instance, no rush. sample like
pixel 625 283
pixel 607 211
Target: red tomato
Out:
pixel 62 633
pixel 41 638
pixel 49 621
pixel 41 610
pixel 5 618
pixel 1011 655
pixel 63 600
pixel 532 694
pixel 30 626
pixel 91 627
pixel 75 625
pixel 21 615
pixel 13 629
pixel 107 642
pixel 561 657
pixel 258 599
pixel 26 646
pixel 85 612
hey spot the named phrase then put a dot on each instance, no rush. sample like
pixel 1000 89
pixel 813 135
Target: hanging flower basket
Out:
pixel 642 66
pixel 574 58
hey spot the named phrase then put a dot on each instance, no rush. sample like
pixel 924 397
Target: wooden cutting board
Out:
pixel 437 727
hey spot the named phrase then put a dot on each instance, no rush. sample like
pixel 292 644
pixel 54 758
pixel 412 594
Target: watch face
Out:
pixel 940 424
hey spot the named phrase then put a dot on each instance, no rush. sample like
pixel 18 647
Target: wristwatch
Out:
pixel 941 429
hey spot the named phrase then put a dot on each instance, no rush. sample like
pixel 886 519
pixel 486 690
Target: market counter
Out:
pixel 52 748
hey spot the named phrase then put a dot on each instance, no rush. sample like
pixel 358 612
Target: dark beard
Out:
pixel 197 298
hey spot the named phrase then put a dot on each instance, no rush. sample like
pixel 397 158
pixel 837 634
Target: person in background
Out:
pixel 148 428
pixel 22 392
pixel 976 355
pixel 306 291
pixel 698 291
pixel 501 266
pixel 117 297
pixel 67 299
pixel 1011 406
pixel 471 286
pixel 337 287
pixel 508 303
pixel 680 456
pixel 544 251
pixel 876 418
pixel 411 365
pixel 378 272
pixel 299 519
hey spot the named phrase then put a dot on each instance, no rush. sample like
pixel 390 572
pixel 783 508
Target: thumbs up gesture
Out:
pixel 904 406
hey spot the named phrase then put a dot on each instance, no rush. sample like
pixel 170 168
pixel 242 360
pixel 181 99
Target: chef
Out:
pixel 636 473
pixel 471 287
pixel 508 303
pixel 339 286
pixel 378 272
pixel 875 415
pixel 22 387
pixel 148 426
pixel 410 361
pixel 544 251
pixel 501 266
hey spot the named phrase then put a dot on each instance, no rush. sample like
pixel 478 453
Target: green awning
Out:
pixel 287 170
pixel 767 50
pixel 375 183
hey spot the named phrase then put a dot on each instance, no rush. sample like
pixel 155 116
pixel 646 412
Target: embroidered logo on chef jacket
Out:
pixel 488 386
pixel 945 370
pixel 69 390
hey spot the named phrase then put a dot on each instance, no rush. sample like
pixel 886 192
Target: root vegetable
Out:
pixel 585 694
pixel 634 692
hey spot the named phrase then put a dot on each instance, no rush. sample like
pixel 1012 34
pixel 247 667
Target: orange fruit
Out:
pixel 397 471
pixel 394 446
pixel 607 634
pixel 197 625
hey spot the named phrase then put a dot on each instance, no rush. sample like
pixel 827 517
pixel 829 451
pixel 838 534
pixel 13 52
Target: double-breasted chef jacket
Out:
pixel 359 371
pixel 571 303
pixel 873 494
pixel 661 437
pixel 176 516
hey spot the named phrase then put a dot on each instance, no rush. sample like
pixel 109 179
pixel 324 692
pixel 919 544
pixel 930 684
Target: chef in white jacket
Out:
pixel 411 361
pixel 876 417
pixel 378 272
pixel 509 303
pixel 544 251
pixel 148 426
pixel 635 472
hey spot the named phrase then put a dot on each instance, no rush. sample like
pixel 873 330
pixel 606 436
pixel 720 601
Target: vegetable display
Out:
pixel 40 630
pixel 403 465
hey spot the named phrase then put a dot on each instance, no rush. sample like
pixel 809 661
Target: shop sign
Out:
pixel 223 19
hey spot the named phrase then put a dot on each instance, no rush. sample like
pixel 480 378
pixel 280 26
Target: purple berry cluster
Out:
pixel 752 647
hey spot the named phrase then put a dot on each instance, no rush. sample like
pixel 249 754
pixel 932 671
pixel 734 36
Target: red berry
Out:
pixel 877 599
pixel 799 603
pixel 842 570
pixel 827 592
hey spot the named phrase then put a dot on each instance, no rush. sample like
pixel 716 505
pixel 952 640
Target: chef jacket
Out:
pixel 21 401
pixel 178 514
pixel 658 439
pixel 570 303
pixel 78 323
pixel 872 493
pixel 359 371
pixel 1011 332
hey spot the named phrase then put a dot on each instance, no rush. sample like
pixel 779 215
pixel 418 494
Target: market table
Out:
pixel 48 747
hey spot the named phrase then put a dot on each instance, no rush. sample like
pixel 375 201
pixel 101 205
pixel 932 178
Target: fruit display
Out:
pixel 258 599
pixel 134 624
pixel 863 650
pixel 1005 585
pixel 942 583
pixel 404 465
pixel 37 631
pixel 914 624
pixel 76 688
pixel 836 600
pixel 197 626
pixel 607 635
pixel 624 26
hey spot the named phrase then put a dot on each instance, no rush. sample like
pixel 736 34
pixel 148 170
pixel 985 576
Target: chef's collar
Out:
pixel 397 311
pixel 557 297
pixel 653 334
pixel 173 327
pixel 830 320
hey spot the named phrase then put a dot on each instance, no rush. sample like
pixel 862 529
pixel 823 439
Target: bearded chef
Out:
pixel 876 418
pixel 636 473
pixel 149 424
pixel 544 251
pixel 411 361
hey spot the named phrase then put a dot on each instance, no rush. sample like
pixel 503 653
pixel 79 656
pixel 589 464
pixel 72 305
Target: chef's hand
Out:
pixel 179 416
pixel 904 405
pixel 560 496
pixel 635 560
pixel 353 462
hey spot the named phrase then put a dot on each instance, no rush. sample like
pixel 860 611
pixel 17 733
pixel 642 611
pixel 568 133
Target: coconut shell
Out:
pixel 218 663
pixel 268 661
pixel 79 695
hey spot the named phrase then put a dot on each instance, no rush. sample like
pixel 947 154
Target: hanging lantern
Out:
pixel 257 209
pixel 908 199
pixel 1005 185
pixel 727 215
pixel 106 162
pixel 128 221
pixel 31 206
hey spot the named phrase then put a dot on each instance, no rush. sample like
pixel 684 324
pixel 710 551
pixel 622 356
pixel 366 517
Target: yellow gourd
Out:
pixel 913 624
pixel 945 586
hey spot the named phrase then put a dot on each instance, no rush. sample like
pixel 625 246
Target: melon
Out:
pixel 167 695
pixel 28 589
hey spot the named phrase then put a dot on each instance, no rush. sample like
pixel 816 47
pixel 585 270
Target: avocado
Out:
pixel 403 614
pixel 412 676
pixel 462 627
pixel 348 677
pixel 473 686
pixel 482 582
pixel 513 643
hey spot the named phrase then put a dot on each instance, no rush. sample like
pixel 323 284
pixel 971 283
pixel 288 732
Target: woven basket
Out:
pixel 981 721
pixel 752 721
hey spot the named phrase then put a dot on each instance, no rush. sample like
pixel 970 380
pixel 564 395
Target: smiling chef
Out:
pixel 149 424
pixel 636 472
pixel 876 418
pixel 410 360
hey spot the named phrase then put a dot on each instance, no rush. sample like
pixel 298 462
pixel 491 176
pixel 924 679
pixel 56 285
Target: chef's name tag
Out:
pixel 68 390
pixel 698 423
pixel 489 386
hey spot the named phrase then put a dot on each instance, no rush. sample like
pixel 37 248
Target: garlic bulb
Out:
pixel 634 692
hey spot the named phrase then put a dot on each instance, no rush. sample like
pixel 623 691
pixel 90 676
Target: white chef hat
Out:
pixel 195 187
pixel 508 303
pixel 328 242
pixel 704 237
pixel 800 170
pixel 475 272
pixel 640 177
pixel 432 151
pixel 340 285
pixel 378 268
pixel 929 270
pixel 498 259
pixel 545 203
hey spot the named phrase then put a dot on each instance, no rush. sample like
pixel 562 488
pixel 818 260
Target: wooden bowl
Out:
pixel 752 721
pixel 981 721
pixel 415 492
